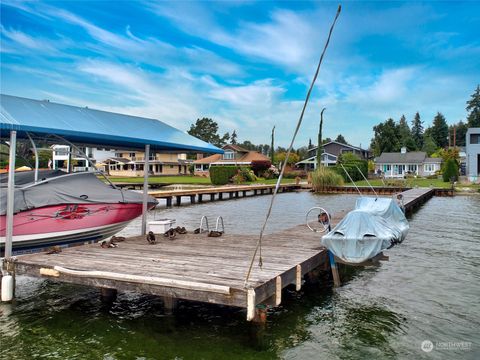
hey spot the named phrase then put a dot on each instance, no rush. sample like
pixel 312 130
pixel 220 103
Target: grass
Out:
pixel 420 182
pixel 192 180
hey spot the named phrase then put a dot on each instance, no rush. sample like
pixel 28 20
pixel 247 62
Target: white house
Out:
pixel 398 165
pixel 473 154
pixel 60 157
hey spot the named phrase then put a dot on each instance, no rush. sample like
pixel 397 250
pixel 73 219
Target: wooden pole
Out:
pixel 146 168
pixel 333 266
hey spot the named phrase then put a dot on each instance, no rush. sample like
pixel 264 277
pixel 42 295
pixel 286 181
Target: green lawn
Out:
pixel 194 180
pixel 420 182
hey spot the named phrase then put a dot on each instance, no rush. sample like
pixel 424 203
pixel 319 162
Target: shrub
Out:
pixel 260 166
pixel 292 174
pixel 271 173
pixel 450 171
pixel 324 177
pixel 247 174
pixel 221 175
pixel 352 170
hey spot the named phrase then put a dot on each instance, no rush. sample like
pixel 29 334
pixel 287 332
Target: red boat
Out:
pixel 63 209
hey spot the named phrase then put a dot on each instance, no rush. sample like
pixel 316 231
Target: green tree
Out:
pixel 272 147
pixel 386 137
pixel 207 130
pixel 450 171
pixel 292 159
pixel 319 147
pixel 460 131
pixel 341 139
pixel 473 107
pixel 429 145
pixel 406 138
pixel 233 138
pixel 417 131
pixel 439 130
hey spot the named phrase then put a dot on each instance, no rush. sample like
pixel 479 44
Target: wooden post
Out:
pixel 170 304
pixel 250 304
pixel 192 199
pixel 236 194
pixel 169 201
pixel 200 197
pixel 333 266
pixel 278 290
pixel 298 278
pixel 244 193
pixel 220 196
pixel 212 197
pixel 179 200
pixel 108 295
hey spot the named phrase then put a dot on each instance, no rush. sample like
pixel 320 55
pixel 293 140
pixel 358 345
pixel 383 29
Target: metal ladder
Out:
pixel 217 223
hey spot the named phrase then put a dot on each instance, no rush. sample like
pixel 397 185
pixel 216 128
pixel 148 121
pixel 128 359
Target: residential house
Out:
pixel 473 154
pixel 132 163
pixel 398 165
pixel 331 151
pixel 61 157
pixel 233 155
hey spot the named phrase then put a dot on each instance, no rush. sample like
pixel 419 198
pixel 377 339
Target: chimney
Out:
pixel 199 156
pixel 403 150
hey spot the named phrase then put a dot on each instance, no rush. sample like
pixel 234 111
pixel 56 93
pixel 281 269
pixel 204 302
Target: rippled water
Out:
pixel 428 290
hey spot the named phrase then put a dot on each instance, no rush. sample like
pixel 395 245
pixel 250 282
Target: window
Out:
pixel 412 168
pixel 474 138
pixel 119 155
pixel 429 167
pixel 228 155
pixel 132 155
pixel 386 168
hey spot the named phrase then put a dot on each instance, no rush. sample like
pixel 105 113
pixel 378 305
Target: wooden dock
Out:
pixel 197 267
pixel 191 266
pixel 220 192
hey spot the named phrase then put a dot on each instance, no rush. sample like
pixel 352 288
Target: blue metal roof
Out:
pixel 94 127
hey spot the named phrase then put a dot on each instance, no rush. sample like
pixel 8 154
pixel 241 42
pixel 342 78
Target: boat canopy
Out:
pixel 94 127
pixel 76 188
pixel 375 224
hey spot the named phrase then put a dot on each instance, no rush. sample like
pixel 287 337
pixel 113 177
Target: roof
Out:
pixel 94 127
pixel 339 143
pixel 433 160
pixel 246 158
pixel 413 157
pixel 234 147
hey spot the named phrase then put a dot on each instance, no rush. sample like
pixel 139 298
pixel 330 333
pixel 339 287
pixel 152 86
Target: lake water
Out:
pixel 428 291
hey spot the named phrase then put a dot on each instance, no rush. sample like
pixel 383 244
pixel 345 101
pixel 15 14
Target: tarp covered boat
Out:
pixel 66 208
pixel 375 224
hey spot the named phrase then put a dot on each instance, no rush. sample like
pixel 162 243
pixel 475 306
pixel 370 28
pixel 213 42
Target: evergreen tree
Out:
pixel 429 145
pixel 233 138
pixel 207 130
pixel 319 147
pixel 386 137
pixel 459 132
pixel 341 139
pixel 439 130
pixel 417 131
pixel 272 147
pixel 406 138
pixel 473 106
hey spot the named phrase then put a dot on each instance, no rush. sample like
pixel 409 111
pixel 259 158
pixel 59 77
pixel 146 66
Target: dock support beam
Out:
pixel 170 304
pixel 169 201
pixel 108 295
pixel 333 266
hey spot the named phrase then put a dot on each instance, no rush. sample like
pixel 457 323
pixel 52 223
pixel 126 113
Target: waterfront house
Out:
pixel 331 151
pixel 472 150
pixel 400 164
pixel 233 155
pixel 61 157
pixel 132 163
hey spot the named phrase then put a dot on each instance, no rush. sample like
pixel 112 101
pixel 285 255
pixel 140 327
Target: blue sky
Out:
pixel 246 64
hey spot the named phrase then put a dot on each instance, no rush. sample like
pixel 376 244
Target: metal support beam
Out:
pixel 37 160
pixel 146 169
pixel 10 194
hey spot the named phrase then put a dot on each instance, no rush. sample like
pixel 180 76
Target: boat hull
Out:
pixel 67 224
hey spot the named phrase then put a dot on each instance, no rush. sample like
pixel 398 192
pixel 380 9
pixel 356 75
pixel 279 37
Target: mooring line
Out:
pixel 259 242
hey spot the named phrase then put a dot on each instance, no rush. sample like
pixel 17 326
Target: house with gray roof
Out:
pixel 398 165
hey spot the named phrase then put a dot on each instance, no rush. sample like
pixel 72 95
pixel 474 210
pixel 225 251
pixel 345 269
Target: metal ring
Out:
pixel 325 226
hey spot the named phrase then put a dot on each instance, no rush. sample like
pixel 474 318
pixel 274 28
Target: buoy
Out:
pixel 7 288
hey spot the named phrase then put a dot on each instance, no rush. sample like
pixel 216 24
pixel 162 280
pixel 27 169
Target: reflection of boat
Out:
pixel 65 208
pixel 374 225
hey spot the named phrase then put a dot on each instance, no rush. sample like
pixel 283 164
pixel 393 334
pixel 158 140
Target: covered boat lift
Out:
pixel 20 118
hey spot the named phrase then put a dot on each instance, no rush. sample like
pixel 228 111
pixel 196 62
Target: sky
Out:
pixel 247 64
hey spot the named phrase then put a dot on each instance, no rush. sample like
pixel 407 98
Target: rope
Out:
pixel 353 182
pixel 259 242
pixel 368 182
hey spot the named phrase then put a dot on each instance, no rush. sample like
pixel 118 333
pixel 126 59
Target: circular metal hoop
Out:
pixel 324 225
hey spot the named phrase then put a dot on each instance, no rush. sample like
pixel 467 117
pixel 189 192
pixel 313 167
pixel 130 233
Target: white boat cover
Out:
pixel 75 188
pixel 374 225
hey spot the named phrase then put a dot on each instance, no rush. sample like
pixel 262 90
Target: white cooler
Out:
pixel 160 226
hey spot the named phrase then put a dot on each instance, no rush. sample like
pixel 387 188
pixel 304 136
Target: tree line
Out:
pixel 391 135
